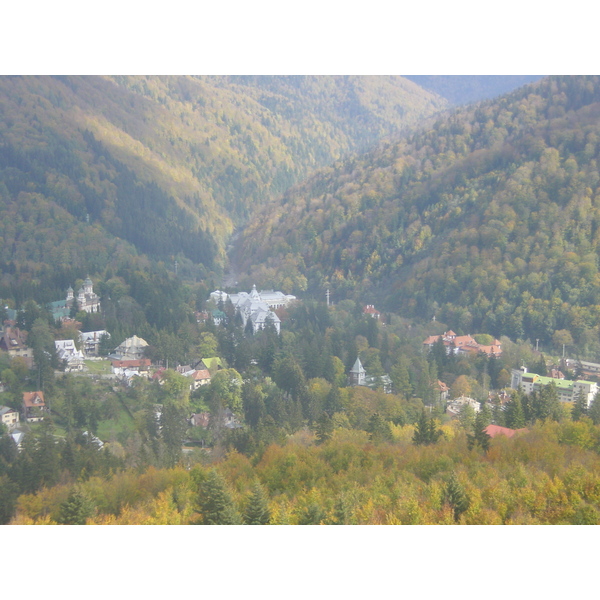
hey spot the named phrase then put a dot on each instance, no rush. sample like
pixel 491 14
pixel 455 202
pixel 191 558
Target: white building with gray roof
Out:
pixel 256 306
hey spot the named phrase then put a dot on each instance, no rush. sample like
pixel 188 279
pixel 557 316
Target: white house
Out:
pixel 68 353
pixel 132 348
pixel 9 416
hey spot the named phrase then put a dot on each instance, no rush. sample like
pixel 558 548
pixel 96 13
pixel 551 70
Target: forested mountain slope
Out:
pixel 171 164
pixel 489 220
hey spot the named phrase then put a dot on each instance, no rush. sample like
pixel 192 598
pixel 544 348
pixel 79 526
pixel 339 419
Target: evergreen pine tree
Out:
pixel 479 437
pixel 401 379
pixel 342 510
pixel 485 413
pixel 257 508
pixel 426 431
pixel 8 449
pixel 594 410
pixel 421 434
pixel 9 492
pixel 456 497
pixel 515 416
pixel 46 455
pixel 434 434
pixel 378 429
pixel 215 503
pixel 313 514
pixel 499 414
pixel 580 408
pixel 76 509
pixel 466 416
pixel 439 355
pixel 324 428
pixel 333 402
pixel 540 367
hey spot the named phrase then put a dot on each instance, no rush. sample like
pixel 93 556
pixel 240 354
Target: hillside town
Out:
pixel 91 354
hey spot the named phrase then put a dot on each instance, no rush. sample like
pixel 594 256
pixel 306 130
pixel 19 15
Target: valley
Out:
pixel 299 300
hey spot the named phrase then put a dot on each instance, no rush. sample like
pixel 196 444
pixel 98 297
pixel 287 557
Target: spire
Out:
pixel 357 368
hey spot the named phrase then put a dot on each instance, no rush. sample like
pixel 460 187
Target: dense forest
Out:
pixel 487 220
pixel 113 175
pixel 304 447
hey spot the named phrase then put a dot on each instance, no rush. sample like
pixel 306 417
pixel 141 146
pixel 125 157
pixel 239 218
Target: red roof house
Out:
pixel 34 406
pixel 494 430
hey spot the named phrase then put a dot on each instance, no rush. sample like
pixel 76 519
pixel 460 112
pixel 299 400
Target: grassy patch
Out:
pixel 112 428
pixel 98 367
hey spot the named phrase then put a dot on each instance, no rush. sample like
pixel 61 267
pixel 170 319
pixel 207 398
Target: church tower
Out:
pixel 357 373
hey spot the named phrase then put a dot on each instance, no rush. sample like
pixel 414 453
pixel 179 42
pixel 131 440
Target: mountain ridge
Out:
pixel 452 221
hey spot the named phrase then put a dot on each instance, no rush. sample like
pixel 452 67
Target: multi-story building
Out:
pixel 567 390
pixel 256 306
pixel 90 341
pixel 34 406
pixel 14 342
pixel 9 416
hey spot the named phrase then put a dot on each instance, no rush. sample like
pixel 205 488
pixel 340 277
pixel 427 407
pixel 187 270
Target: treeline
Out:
pixel 487 220
pixel 546 476
pixel 280 410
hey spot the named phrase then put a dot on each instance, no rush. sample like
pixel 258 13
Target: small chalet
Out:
pixel 34 406
pixel 199 378
pixel 370 310
pixel 71 358
pixel 90 341
pixel 14 342
pixel 9 416
pixel 132 348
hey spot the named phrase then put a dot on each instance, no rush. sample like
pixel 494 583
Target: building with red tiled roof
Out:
pixel 463 344
pixel 200 419
pixel 370 309
pixel 199 377
pixel 142 364
pixel 494 430
pixel 34 406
